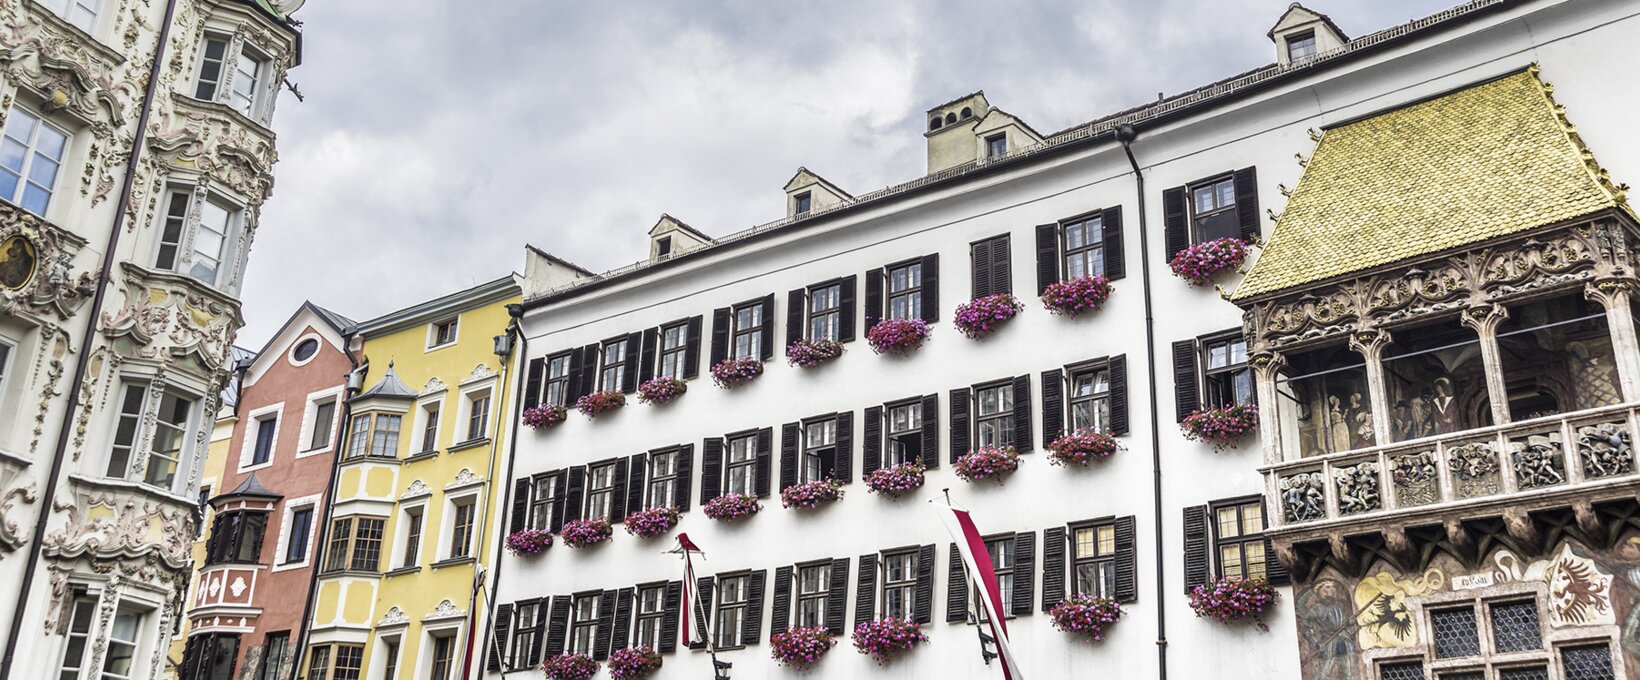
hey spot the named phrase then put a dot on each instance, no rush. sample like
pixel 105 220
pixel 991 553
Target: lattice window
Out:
pixel 1515 627
pixel 1455 633
pixel 1593 662
pixel 1407 670
pixel 1464 675
pixel 1529 673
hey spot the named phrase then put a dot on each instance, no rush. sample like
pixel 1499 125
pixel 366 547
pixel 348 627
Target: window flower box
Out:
pixel 731 507
pixel 1220 426
pixel 1081 447
pixel 801 647
pixel 896 480
pixel 1199 263
pixel 897 336
pixel 661 390
pixel 983 316
pixel 1085 615
pixel 731 373
pixel 887 638
pixel 630 663
pixel 569 666
pixel 811 353
pixel 529 542
pixel 987 462
pixel 592 405
pixel 1231 599
pixel 544 416
pixel 1078 296
pixel 651 522
pixel 582 533
pixel 809 495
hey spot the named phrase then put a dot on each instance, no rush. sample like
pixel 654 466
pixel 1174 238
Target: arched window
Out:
pixel 950 118
pixel 967 112
pixel 934 124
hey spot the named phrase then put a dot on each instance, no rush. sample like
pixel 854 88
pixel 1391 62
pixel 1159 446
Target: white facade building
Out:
pixel 994 215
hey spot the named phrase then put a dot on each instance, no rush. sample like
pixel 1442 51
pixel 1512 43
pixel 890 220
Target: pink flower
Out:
pixel 1220 426
pixel 980 317
pixel 897 336
pixel 1085 615
pixel 570 667
pixel 1231 598
pixel 600 402
pixel 1076 296
pixel 1198 263
pixel 896 480
pixel 810 495
pixel 651 522
pixel 529 542
pixel 1081 447
pixel 734 372
pixel 731 506
pixel 811 353
pixel 801 647
pixel 544 415
pixel 987 462
pixel 586 532
pixel 661 390
pixel 887 637
pixel 629 663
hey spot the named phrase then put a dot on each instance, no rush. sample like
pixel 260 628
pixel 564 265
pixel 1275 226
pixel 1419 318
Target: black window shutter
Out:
pixel 845 305
pixel 979 255
pixel 1053 405
pixel 1047 256
pixel 572 387
pixel 871 447
pixel 637 469
pixel 532 656
pixel 720 335
pixel 1186 391
pixel 629 369
pixel 865 591
pixel 1195 547
pixel 560 502
pixel 751 627
pixel 794 314
pixel 557 627
pixel 768 327
pixel 780 608
pixel 788 455
pixel 931 431
pixel 617 494
pixel 691 349
pixel 685 467
pixel 1002 266
pixel 703 612
pixel 960 433
pixel 1127 556
pixel 496 654
pixel 1053 567
pixel 874 298
pixel 931 288
pixel 646 364
pixel 1175 222
pixel 837 597
pixel 605 633
pixel 1115 259
pixel 711 469
pixel 923 606
pixel 1023 432
pixel 623 619
pixel 956 588
pixel 1024 572
pixel 520 505
pixel 591 362
pixel 1118 395
pixel 765 460
pixel 1247 203
pixel 670 604
pixel 576 489
pixel 532 383
pixel 842 468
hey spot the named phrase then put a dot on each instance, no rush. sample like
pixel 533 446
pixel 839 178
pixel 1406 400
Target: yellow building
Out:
pixel 413 530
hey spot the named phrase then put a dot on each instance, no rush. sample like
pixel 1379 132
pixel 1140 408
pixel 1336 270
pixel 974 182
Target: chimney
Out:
pixel 968 130
pixel 1301 34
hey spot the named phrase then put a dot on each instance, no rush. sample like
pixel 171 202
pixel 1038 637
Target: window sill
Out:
pixel 239 116
pixel 469 444
pixel 453 562
pixel 357 573
pixel 424 455
pixel 161 495
pixel 86 37
pixel 404 570
pixel 378 460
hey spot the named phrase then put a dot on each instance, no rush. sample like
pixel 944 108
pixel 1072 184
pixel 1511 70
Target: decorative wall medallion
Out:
pixel 1579 591
pixel 1357 487
pixel 1302 497
pixel 36 266
pixel 1538 462
pixel 1416 479
pixel 17 262
pixel 1474 469
pixel 1604 449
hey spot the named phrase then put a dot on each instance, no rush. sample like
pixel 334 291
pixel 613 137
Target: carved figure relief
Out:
pixel 36 267
pixel 1474 469
pixel 1604 449
pixel 1357 488
pixel 1538 462
pixel 1302 497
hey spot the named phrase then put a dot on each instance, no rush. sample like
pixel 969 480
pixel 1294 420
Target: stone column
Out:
pixel 1613 294
pixel 1370 344
pixel 1484 319
pixel 1267 369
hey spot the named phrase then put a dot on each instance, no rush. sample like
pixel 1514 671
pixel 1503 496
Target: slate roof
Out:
pixel 389 387
pixel 250 488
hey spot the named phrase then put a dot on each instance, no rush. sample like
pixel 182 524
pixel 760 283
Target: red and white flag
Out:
pixel 978 560
pixel 690 616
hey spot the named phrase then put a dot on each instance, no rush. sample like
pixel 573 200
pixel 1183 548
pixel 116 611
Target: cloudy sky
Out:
pixel 439 136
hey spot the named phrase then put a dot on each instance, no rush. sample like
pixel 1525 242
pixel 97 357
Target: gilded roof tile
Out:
pixel 1482 162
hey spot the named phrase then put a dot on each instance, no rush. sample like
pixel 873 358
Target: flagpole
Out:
pixel 683 550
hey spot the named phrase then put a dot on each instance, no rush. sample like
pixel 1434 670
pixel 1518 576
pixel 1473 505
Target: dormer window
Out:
pixel 801 203
pixel 663 246
pixel 81 13
pixel 1301 46
pixel 996 145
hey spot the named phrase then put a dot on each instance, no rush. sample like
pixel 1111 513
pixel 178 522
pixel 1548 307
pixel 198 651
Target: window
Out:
pixel 1498 639
pixel 994 418
pixel 813 587
pixel 444 654
pixel 355 544
pixel 900 585
pixel 210 656
pixel 1213 210
pixel 993 270
pixel 731 610
pixel 825 311
pixel 1084 246
pixel 266 428
pixel 741 470
pixel 216 222
pixel 81 13
pixel 30 154
pixel 429 427
pixel 461 529
pixel 600 490
pixel 526 630
pixel 1238 539
pixel 905 291
pixel 748 330
pixel 801 203
pixel 663 246
pixel 663 479
pixel 612 365
pixel 442 333
pixel 210 68
pixel 390 667
pixel 324 417
pixel 674 343
pixel 305 349
pixel 120 657
pixel 557 380
pixel 296 543
pixel 478 415
pixel 82 617
pixel 1322 401
pixel 819 438
pixel 164 448
pixel 1094 559
pixel 1556 356
pixel 413 518
pixel 275 647
pixel 1089 395
pixel 236 537
pixel 202 506
pixel 1435 380
pixel 170 239
pixel 584 624
pixel 1301 46
pixel 1587 662
pixel 1001 551
pixel 996 145
pixel 5 364
pixel 249 74
pixel 904 433
pixel 374 435
pixel 125 430
pixel 651 603
pixel 542 501
pixel 1226 379
pixel 336 662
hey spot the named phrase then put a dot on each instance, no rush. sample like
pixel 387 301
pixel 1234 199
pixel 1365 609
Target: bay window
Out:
pixel 374 434
pixel 1322 401
pixel 170 436
pixel 233 73
pixel 81 13
pixel 166 443
pixel 198 235
pixel 1556 357
pixel 236 537
pixel 1436 382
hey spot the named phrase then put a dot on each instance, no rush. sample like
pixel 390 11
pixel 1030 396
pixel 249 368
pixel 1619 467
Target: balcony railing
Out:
pixel 1541 456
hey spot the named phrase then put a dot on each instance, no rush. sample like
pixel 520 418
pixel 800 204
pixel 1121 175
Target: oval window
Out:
pixel 305 349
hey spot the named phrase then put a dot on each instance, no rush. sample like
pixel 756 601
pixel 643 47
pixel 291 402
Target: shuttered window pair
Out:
pixel 740 463
pixel 619 363
pixel 817 449
pixel 1226 538
pixel 992 414
pixel 1091 395
pixel 611 488
pixel 810 595
pixel 1085 245
pixel 593 623
pixel 904 290
pixel 823 311
pixel 896 583
pixel 538 502
pixel 1223 206
pixel 1013 559
pixel 743 331
pixel 1097 558
pixel 899 432
pixel 733 616
pixel 1211 371
pixel 992 266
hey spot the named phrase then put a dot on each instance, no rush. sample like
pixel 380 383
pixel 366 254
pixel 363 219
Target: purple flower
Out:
pixel 731 506
pixel 988 462
pixel 629 663
pixel 568 666
pixel 886 637
pixel 811 353
pixel 529 542
pixel 600 402
pixel 811 494
pixel 544 415
pixel 981 317
pixel 801 647
pixel 1085 615
pixel 1232 598
pixel 651 522
pixel 734 372
pixel 586 532
pixel 1081 447
pixel 897 336
pixel 1076 296
pixel 661 390
pixel 1220 426
pixel 896 480
pixel 1198 263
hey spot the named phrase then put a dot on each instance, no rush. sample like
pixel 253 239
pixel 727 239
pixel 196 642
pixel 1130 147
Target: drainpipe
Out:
pixel 354 382
pixel 507 362
pixel 1126 134
pixel 86 338
pixel 522 351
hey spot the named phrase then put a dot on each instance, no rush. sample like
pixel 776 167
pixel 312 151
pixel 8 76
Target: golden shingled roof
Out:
pixel 1486 161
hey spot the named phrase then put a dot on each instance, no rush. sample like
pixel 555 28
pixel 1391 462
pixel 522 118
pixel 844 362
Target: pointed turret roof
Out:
pixel 389 387
pixel 250 488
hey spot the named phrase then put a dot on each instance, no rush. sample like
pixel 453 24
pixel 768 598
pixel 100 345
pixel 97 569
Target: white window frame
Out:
pixel 63 8
pixel 465 411
pixel 447 527
pixel 30 152
pixel 231 256
pixel 247 446
pixel 287 514
pixel 432 333
pixel 290 355
pixel 401 536
pixel 379 662
pixel 261 105
pixel 429 408
pixel 143 438
pixel 310 423
pixel 457 634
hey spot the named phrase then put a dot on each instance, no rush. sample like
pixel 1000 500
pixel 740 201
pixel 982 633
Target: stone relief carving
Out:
pixel 51 287
pixel 20 488
pixel 445 610
pixel 1416 478
pixel 1302 497
pixel 1604 450
pixel 480 372
pixel 1474 469
pixel 434 386
pixel 394 617
pixel 196 134
pixel 1357 487
pixel 464 478
pixel 416 488
pixel 170 316
pixel 1538 462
